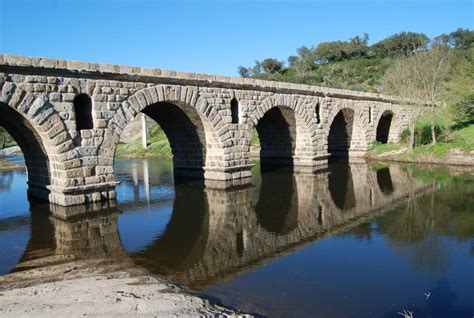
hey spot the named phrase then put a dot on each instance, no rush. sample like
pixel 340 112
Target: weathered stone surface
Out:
pixel 294 121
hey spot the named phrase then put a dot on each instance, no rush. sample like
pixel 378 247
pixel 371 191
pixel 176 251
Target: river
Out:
pixel 350 240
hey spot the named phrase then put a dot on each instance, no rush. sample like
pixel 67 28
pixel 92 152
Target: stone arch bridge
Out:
pixel 68 117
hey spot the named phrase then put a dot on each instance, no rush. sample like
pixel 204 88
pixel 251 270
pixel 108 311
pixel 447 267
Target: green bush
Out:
pixel 405 135
pixel 423 134
pixel 5 139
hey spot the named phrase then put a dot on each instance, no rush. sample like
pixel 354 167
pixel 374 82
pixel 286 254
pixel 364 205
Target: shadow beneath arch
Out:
pixel 277 133
pixel 383 127
pixel 340 133
pixel 30 143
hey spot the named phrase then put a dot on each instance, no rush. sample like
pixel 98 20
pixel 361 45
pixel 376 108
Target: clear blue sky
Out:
pixel 209 36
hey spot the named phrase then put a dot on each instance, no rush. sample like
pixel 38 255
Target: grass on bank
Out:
pixel 448 140
pixel 379 148
pixel 158 147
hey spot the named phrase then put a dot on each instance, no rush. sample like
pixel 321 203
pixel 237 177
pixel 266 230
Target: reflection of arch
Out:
pixel 383 127
pixel 340 133
pixel 60 234
pixel 185 238
pixel 284 127
pixel 384 180
pixel 277 206
pixel 41 242
pixel 341 185
pixel 190 123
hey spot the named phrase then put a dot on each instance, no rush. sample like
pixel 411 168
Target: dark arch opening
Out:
pixel 186 135
pixel 341 185
pixel 83 111
pixel 384 179
pixel 277 134
pixel 383 128
pixel 277 206
pixel 340 133
pixel 34 152
pixel 318 118
pixel 234 110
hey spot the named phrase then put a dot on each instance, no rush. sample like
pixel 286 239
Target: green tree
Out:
pixel 460 39
pixel 329 52
pixel 459 93
pixel 244 71
pixel 272 66
pixel 403 43
pixel 421 78
pixel 5 139
pixel 303 63
pixel 356 47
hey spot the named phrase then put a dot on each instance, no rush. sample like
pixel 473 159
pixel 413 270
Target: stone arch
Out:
pixel 340 132
pixel 397 124
pixel 284 127
pixel 43 138
pixel 191 124
pixel 382 132
pixel 387 126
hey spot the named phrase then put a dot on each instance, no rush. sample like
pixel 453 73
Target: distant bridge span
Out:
pixel 68 117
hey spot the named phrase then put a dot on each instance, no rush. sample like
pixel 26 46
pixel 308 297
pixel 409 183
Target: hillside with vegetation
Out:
pixel 5 139
pixel 438 72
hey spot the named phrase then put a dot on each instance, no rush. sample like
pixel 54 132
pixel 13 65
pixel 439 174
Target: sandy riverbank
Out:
pixel 85 289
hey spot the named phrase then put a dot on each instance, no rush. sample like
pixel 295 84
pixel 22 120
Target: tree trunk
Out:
pixel 411 140
pixel 433 132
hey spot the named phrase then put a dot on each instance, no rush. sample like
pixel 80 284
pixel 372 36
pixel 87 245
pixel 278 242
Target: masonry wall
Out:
pixel 80 162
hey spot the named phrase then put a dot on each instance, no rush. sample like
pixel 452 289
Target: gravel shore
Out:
pixel 80 290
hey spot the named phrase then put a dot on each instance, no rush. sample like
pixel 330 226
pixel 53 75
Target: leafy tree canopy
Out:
pixel 460 39
pixel 402 43
pixel 328 52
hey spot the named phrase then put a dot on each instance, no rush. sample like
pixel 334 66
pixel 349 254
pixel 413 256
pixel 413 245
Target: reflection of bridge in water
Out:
pixel 215 234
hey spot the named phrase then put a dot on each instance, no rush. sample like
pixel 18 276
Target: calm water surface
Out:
pixel 358 240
